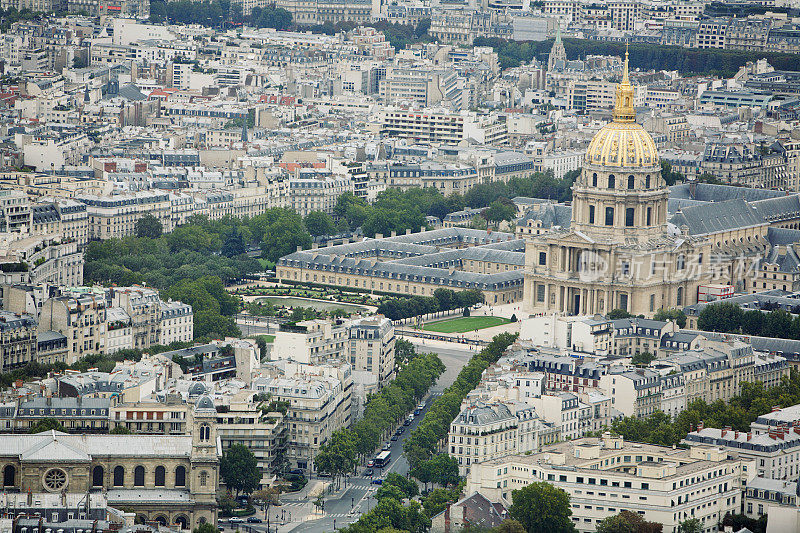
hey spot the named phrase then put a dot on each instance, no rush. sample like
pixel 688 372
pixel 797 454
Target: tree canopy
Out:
pixel 239 469
pixel 148 226
pixel 542 508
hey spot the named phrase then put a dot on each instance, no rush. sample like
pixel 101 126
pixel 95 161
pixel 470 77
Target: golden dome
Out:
pixel 623 142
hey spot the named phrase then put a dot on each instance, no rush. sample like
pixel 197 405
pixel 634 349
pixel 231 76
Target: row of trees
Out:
pixel 383 412
pixel 215 13
pixel 642 56
pixel 398 35
pixel 423 443
pixel 727 317
pixel 753 401
pixel 442 300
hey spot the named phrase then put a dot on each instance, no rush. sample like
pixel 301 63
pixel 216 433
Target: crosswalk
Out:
pixel 293 504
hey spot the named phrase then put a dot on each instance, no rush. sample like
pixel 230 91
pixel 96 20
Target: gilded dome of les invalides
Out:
pixel 623 143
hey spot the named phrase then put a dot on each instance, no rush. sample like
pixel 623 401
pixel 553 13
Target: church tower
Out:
pixel 204 475
pixel 557 59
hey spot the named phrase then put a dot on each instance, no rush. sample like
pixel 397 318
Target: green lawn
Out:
pixel 465 324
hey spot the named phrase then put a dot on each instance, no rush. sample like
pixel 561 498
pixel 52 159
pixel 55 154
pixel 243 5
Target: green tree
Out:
pixel 643 358
pixel 616 314
pixel 320 223
pixel 148 226
pixel 120 430
pixel 509 525
pixel 284 235
pixel 47 424
pixel 404 351
pixel 671 314
pixel 753 322
pixel 691 525
pixel 724 317
pixel 239 469
pixel 499 211
pixel 627 522
pixel 205 527
pixel 542 508
pixel 408 487
pixel 234 244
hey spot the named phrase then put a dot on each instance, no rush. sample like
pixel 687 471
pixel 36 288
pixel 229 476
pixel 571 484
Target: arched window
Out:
pixel 161 476
pixel 119 476
pixel 203 478
pixel 182 522
pixel 97 476
pixel 679 299
pixel 681 262
pixel 205 432
pixel 612 181
pixel 594 179
pixel 9 476
pixel 647 181
pixel 180 477
pixel 138 476
pixel 631 182
pixel 162 520
pixel 629 212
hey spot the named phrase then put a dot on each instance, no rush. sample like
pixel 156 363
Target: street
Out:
pixel 358 493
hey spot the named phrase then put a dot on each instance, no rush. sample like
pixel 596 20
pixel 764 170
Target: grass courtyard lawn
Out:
pixel 465 324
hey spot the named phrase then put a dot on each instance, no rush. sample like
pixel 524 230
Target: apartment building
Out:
pixel 264 434
pixel 311 192
pixel 18 340
pixel 115 217
pixel 566 411
pixel 633 392
pixel 775 453
pixel 77 415
pixel 370 348
pixel 484 431
pixel 172 416
pixel 420 86
pixel 432 125
pixel 319 399
pixel 176 323
pixel 606 475
pixel 143 307
pixel 81 319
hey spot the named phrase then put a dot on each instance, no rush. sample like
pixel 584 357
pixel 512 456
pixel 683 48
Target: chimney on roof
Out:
pixel 691 428
pixel 749 435
pixel 736 434
pixel 700 425
pixel 724 432
pixel 775 408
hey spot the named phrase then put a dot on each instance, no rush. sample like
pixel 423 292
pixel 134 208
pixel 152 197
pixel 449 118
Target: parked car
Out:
pixel 368 472
pixel 407 422
pixel 401 430
pixel 220 528
pixel 296 471
pixel 323 474
pixel 387 446
pixel 235 520
pixel 394 437
pixel 417 411
pixel 377 481
pixel 253 520
pixel 371 463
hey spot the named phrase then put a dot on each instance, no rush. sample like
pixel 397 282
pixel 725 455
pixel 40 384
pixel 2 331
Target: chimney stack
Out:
pixel 749 435
pixel 775 408
pixel 700 425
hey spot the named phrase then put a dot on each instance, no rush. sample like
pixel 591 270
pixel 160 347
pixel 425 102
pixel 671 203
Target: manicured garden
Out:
pixel 465 324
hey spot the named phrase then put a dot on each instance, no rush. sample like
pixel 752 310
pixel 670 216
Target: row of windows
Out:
pixel 612 181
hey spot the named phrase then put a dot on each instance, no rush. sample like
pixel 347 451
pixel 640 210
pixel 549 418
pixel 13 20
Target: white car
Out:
pixel 236 520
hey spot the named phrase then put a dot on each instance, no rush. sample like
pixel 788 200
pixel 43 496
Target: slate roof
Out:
pixel 717 217
pixel 480 413
pixel 783 236
pixel 778 208
pixel 95 445
pixel 706 192
pixel 131 92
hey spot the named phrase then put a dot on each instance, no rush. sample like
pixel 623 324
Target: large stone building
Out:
pixel 170 479
pixel 619 252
